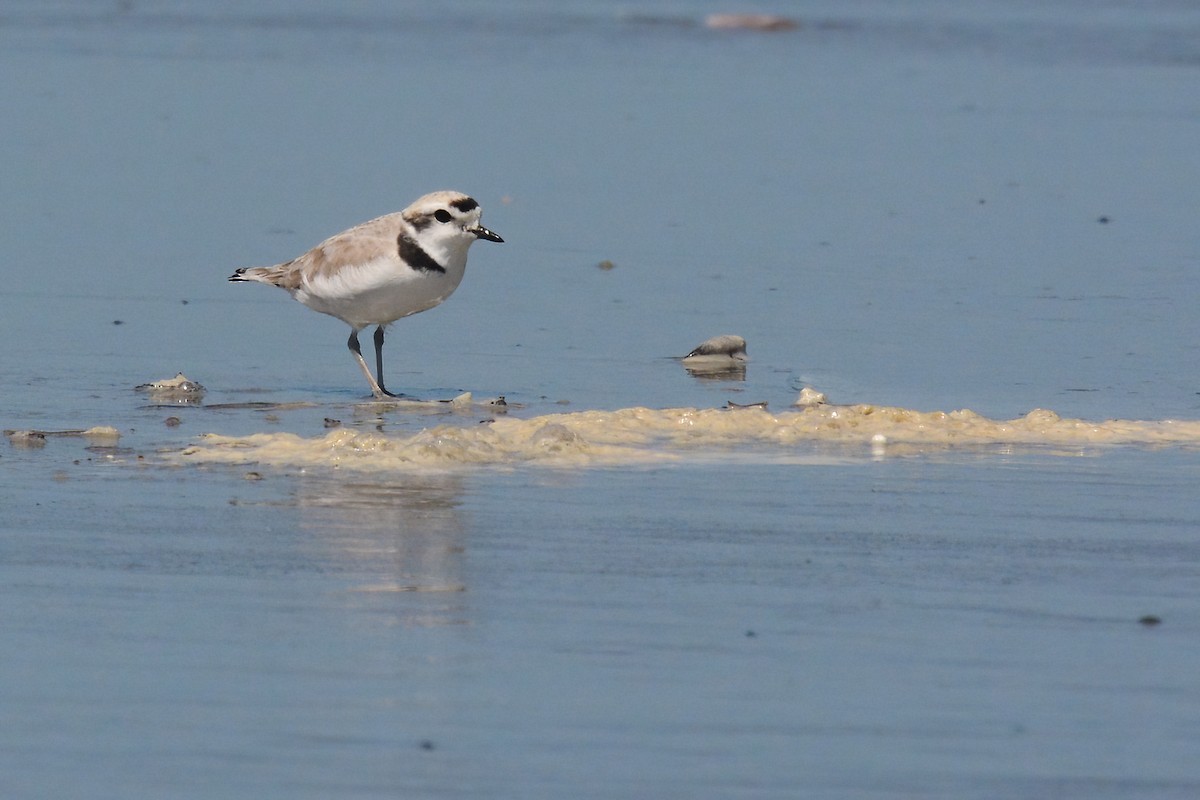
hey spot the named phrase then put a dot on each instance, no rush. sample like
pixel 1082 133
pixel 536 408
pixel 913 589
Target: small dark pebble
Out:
pixel 332 423
pixel 606 265
pixel 172 422
pixel 1150 621
pixel 426 744
pixel 183 302
pixel 118 322
pixel 750 634
pixel 1103 220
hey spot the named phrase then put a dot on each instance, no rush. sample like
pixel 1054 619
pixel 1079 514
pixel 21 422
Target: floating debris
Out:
pixel 731 404
pixel 605 265
pixel 172 422
pixel 101 435
pixel 332 423
pixel 180 390
pixel 809 397
pixel 26 438
pixel 464 400
pixel 750 22
pixel 259 405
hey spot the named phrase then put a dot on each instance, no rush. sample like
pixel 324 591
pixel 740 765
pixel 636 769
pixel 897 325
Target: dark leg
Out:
pixel 352 343
pixel 379 360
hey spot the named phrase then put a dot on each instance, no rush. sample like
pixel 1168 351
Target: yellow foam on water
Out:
pixel 644 435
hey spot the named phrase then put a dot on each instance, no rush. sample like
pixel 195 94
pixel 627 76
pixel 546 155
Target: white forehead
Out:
pixel 456 203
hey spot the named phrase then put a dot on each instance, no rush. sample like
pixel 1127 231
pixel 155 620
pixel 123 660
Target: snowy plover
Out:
pixel 727 347
pixel 382 270
pixel 718 358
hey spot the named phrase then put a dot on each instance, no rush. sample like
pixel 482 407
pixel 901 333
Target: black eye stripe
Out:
pixel 442 215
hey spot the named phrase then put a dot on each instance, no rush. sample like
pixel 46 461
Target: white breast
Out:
pixel 377 292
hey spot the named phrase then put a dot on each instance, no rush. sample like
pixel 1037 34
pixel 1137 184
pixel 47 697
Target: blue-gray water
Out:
pixel 923 205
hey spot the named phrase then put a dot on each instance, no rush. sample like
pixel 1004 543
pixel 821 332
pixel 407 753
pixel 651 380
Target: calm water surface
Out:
pixel 926 206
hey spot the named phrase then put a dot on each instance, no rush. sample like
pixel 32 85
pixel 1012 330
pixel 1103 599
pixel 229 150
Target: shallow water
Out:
pixel 915 209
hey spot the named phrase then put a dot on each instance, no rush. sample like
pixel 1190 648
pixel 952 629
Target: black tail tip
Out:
pixel 237 276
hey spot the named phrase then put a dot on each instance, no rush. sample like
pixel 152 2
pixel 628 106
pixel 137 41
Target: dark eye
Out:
pixel 442 215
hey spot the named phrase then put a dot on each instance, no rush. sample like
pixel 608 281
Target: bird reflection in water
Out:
pixel 400 540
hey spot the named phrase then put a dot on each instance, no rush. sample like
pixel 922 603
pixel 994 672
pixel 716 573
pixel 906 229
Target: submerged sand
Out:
pixel 644 435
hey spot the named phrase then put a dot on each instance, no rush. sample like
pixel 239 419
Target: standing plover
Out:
pixel 382 270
